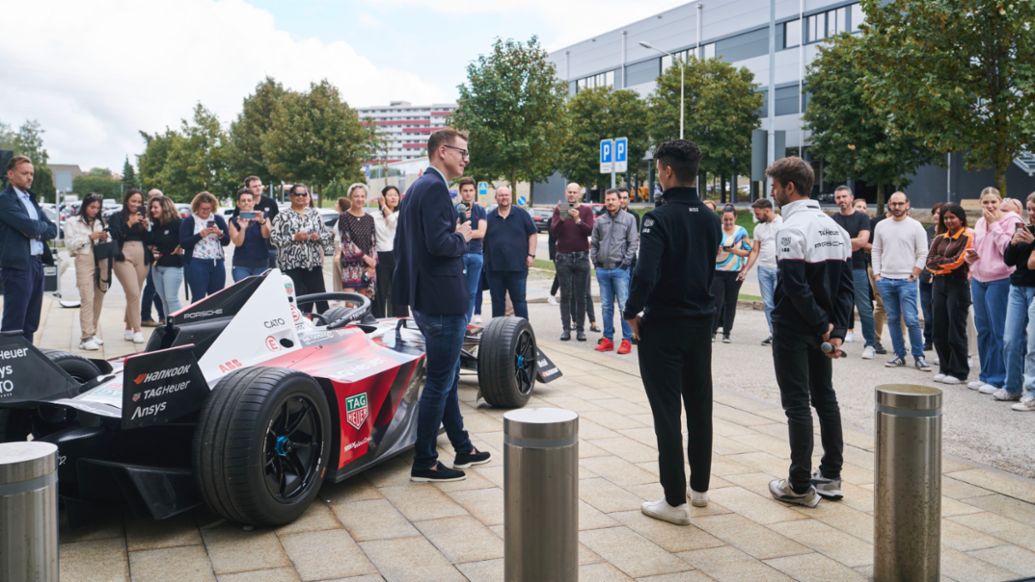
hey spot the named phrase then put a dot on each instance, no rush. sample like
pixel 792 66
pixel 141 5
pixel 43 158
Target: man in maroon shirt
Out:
pixel 572 230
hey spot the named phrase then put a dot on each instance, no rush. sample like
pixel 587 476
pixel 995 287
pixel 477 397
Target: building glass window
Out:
pixel 791 33
pixel 858 17
pixel 709 50
pixel 816 27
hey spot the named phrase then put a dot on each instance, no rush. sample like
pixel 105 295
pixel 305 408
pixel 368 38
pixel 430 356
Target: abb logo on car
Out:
pixel 230 366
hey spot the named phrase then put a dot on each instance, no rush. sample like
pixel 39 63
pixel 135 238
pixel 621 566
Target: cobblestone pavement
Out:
pixel 380 526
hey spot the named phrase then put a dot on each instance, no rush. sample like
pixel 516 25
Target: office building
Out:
pixel 406 128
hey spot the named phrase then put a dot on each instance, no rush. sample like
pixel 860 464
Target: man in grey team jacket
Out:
pixel 612 249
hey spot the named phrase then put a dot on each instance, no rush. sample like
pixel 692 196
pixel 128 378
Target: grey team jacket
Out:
pixel 813 260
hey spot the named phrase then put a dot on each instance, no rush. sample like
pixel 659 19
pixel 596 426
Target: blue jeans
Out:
pixel 1029 357
pixel 1015 336
pixel 167 287
pixel 443 339
pixel 614 283
pixel 205 276
pixel 239 273
pixel 861 283
pixel 473 268
pixel 767 283
pixel 502 283
pixel 149 297
pixel 23 298
pixel 990 320
pixel 899 297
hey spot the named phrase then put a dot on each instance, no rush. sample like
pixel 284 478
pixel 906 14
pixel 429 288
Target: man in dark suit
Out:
pixel 24 230
pixel 429 277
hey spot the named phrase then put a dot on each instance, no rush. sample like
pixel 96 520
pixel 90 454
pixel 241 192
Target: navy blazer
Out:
pixel 429 266
pixel 16 229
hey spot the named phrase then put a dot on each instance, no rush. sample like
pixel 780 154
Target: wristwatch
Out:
pixel 531 255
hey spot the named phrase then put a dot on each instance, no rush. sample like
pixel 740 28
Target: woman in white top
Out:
pixel 82 233
pixel 385 222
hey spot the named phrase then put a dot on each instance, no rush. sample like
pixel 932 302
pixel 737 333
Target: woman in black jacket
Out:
pixel 164 243
pixel 129 228
pixel 203 235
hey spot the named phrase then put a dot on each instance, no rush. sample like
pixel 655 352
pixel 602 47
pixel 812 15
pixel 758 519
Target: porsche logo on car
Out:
pixel 356 410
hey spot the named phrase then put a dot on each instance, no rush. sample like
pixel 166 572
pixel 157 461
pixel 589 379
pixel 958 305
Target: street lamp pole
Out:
pixel 682 82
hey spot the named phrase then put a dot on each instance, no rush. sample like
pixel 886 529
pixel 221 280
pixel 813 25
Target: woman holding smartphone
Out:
pixel 164 243
pixel 129 228
pixel 249 231
pixel 302 238
pixel 734 248
pixel 82 233
pixel 203 235
pixel 358 244
pixel 990 288
pixel 385 222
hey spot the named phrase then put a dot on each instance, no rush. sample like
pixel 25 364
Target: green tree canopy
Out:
pixel 851 135
pixel 721 110
pixel 596 114
pixel 99 181
pixel 961 75
pixel 248 131
pixel 316 138
pixel 129 176
pixel 185 162
pixel 512 106
pixel 28 141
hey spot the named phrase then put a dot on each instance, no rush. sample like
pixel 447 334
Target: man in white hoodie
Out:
pixel 899 255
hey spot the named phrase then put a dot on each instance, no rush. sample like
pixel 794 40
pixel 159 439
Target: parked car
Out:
pixel 541 218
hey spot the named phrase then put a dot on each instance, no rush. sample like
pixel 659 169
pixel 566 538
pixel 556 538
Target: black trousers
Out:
pixel 676 362
pixel 573 272
pixel 951 298
pixel 383 306
pixel 308 281
pixel 803 373
pixel 726 290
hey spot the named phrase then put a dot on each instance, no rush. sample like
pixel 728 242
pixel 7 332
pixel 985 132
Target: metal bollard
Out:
pixel 541 495
pixel 28 512
pixel 908 490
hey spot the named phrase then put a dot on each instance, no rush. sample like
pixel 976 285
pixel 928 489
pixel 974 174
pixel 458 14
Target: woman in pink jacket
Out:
pixel 990 288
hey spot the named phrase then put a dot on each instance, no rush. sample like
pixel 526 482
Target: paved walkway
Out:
pixel 380 526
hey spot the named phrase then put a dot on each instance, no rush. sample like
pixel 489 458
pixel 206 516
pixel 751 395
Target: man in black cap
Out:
pixel 671 286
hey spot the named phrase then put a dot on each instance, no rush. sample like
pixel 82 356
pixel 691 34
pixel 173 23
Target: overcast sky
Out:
pixel 95 73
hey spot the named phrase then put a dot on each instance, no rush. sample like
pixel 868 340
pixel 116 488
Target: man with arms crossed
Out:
pixel 671 285
pixel 813 303
pixel 763 252
pixel 429 277
pixel 509 252
pixel 857 225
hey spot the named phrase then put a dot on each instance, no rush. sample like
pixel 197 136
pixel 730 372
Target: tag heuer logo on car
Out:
pixel 356 410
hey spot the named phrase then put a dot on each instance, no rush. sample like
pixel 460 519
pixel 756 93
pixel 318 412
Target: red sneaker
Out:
pixel 625 347
pixel 605 345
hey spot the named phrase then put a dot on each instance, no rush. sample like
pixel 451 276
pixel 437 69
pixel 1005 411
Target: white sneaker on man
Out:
pixel 660 509
pixel 975 384
pixel 138 337
pixel 697 498
pixel 987 389
pixel 89 344
pixel 1027 404
pixel 869 353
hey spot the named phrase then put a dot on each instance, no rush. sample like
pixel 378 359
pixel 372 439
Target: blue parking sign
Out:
pixel 607 155
pixel 621 154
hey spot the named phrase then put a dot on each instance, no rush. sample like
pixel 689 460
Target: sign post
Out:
pixel 483 193
pixel 607 156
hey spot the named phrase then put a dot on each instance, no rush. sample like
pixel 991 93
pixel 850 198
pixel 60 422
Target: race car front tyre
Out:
pixel 507 362
pixel 262 445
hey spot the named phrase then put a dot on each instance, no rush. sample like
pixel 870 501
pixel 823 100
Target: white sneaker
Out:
pixel 477 320
pixel 951 380
pixel 99 341
pixel 138 337
pixel 869 353
pixel 660 509
pixel 128 335
pixel 697 498
pixel 89 344
pixel 975 384
pixel 937 377
pixel 987 389
pixel 552 300
pixel 849 337
pixel 1026 404
pixel 1003 396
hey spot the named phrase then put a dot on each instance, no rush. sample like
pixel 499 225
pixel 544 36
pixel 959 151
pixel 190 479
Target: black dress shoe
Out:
pixel 565 336
pixel 437 474
pixel 475 457
pixel 581 336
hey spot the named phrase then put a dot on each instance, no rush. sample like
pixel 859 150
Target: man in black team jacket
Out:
pixel 814 299
pixel 671 285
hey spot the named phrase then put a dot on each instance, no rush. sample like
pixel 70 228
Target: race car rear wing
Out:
pixel 161 386
pixel 28 375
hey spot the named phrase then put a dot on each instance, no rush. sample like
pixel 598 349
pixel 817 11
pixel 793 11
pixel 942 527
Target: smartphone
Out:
pixel 1017 226
pixel 210 223
pixel 564 207
pixel 247 214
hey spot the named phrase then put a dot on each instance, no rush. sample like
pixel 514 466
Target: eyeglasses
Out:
pixel 463 153
pixel 300 194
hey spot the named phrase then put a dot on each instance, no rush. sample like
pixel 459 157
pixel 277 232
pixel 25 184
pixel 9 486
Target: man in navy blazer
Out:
pixel 429 277
pixel 24 230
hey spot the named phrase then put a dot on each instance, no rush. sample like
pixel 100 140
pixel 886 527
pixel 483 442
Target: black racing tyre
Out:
pixel 78 367
pixel 262 445
pixel 507 362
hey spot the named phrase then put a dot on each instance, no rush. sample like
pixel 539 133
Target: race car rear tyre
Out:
pixel 77 367
pixel 262 445
pixel 507 362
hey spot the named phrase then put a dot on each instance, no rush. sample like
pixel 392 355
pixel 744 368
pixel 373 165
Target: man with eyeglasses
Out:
pixel 429 278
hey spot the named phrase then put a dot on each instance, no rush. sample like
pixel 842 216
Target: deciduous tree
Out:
pixel 99 181
pixel 248 132
pixel 596 114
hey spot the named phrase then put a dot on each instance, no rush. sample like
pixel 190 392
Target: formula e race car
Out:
pixel 242 402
